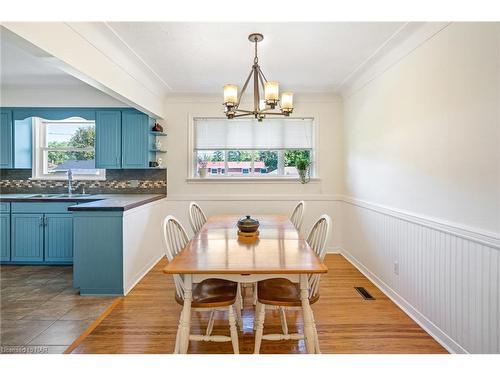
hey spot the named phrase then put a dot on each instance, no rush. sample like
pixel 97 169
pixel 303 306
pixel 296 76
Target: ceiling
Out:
pixel 202 57
pixel 22 67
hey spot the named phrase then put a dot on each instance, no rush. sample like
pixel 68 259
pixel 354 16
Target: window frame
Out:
pixel 192 161
pixel 40 153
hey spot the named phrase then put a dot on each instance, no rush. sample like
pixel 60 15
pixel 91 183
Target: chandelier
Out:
pixel 262 105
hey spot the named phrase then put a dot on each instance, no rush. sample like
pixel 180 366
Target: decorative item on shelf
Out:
pixel 157 145
pixel 270 97
pixel 248 229
pixel 157 128
pixel 304 168
pixel 159 161
pixel 202 166
pixel 153 164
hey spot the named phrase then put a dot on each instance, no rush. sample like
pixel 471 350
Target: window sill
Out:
pixel 258 180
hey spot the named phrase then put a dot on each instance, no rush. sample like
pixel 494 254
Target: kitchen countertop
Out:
pixel 95 202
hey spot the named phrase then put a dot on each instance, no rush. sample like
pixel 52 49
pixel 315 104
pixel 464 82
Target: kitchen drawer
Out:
pixel 4 207
pixel 41 207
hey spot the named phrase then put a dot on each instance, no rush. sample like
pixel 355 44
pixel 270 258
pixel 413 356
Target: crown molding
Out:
pixel 404 41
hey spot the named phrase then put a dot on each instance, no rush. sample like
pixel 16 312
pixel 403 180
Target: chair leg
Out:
pixel 210 325
pixel 260 326
pixel 255 298
pixel 316 339
pixel 233 330
pixel 256 317
pixel 177 336
pixel 284 325
pixel 239 320
pixel 240 297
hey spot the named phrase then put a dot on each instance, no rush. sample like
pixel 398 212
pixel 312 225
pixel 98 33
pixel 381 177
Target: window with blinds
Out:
pixel 248 148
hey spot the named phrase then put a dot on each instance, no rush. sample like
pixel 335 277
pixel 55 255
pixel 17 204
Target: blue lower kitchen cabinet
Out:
pixel 4 237
pixel 27 238
pixel 58 233
pixel 40 233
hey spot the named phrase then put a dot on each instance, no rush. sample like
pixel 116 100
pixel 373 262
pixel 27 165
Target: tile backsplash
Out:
pixel 150 181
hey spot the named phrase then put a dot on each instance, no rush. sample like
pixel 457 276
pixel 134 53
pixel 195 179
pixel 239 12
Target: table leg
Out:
pixel 308 319
pixel 186 315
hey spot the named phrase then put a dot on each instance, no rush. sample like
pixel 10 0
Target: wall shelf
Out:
pixel 159 151
pixel 158 134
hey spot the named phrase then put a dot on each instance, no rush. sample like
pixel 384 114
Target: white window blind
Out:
pixel 249 134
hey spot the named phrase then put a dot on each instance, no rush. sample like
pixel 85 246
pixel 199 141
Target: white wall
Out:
pixel 424 136
pixel 60 96
pixel 422 185
pixel 256 197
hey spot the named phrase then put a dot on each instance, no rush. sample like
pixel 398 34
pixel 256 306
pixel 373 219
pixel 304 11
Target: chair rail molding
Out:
pixel 480 236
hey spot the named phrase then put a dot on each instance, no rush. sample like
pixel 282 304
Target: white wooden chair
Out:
pixel 196 217
pixel 285 295
pixel 296 219
pixel 209 295
pixel 298 214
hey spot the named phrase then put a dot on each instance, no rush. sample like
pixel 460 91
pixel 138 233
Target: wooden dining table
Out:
pixel 217 252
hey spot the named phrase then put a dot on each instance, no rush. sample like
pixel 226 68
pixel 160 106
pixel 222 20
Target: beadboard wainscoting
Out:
pixel 445 276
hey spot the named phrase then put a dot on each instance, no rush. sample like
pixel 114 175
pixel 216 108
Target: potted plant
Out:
pixel 202 166
pixel 303 167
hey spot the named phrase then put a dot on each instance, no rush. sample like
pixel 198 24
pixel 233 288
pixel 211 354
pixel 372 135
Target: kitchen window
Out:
pixel 248 148
pixel 60 145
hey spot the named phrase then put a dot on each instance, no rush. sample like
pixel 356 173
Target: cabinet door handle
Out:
pixel 41 221
pixel 45 221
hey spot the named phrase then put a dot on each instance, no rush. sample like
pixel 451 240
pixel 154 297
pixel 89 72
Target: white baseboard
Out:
pixel 334 250
pixel 447 342
pixel 141 274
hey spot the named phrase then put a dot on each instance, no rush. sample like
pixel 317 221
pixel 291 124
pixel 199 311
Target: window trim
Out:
pixel 40 154
pixel 252 177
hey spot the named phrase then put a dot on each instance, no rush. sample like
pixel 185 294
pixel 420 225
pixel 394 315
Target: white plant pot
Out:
pixel 202 172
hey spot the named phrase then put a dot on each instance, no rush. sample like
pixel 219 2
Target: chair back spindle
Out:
pixel 197 217
pixel 298 215
pixel 317 238
pixel 176 239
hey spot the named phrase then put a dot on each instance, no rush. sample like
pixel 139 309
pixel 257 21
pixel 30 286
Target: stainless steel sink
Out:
pixel 73 195
pixel 44 196
pixel 59 195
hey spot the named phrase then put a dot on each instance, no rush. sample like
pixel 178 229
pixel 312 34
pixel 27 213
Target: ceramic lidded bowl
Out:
pixel 248 225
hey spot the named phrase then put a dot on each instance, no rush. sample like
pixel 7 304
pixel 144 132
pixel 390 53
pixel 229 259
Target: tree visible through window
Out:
pixel 63 145
pixel 248 148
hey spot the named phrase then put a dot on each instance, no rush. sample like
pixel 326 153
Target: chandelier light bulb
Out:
pixel 287 102
pixel 230 95
pixel 271 91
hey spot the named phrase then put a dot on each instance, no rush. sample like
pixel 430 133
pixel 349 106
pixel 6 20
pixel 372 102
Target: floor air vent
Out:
pixel 364 293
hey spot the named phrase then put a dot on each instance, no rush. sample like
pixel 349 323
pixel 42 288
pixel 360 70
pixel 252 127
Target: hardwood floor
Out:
pixel 146 320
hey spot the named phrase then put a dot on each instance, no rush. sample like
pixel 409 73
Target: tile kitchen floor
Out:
pixel 40 312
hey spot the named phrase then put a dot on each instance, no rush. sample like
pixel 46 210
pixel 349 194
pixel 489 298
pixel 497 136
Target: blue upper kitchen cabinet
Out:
pixel 23 135
pixel 6 139
pixel 58 238
pixel 108 147
pixel 27 238
pixel 135 140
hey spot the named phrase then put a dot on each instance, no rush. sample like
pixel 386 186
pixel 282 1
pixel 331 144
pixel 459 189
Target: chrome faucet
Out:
pixel 70 182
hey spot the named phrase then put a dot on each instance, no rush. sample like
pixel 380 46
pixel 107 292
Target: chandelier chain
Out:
pixel 255 59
